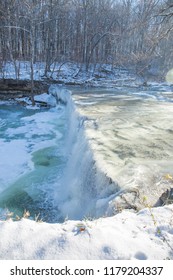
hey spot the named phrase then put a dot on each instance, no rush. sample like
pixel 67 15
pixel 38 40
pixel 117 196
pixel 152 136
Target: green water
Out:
pixel 33 189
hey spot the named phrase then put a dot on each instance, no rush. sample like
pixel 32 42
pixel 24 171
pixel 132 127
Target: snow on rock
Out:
pixel 146 235
pixel 44 97
pixel 60 94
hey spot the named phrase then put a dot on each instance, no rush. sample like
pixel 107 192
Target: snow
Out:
pixel 44 97
pixel 69 73
pixel 126 236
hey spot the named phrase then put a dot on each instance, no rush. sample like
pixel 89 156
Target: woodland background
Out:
pixel 134 34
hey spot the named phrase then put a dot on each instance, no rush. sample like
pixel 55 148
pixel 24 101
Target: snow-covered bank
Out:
pixel 72 74
pixel 146 235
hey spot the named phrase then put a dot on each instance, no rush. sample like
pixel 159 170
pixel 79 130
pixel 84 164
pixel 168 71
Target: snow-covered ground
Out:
pixel 70 73
pixel 143 236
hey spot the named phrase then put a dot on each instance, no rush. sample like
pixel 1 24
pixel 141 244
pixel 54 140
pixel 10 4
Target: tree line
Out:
pixel 124 33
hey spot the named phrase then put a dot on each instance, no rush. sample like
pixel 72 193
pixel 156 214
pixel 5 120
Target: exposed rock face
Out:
pixel 10 88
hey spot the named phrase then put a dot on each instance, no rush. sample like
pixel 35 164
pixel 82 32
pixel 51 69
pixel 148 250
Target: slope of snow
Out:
pixel 146 235
pixel 72 74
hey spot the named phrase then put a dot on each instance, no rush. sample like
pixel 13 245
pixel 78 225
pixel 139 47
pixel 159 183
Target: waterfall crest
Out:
pixel 84 190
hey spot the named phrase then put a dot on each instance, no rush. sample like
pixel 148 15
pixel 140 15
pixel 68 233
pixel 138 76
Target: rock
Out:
pixel 10 88
pixel 124 199
pixel 166 197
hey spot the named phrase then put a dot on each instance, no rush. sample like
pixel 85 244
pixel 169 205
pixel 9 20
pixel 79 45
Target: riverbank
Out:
pixel 70 75
pixel 67 74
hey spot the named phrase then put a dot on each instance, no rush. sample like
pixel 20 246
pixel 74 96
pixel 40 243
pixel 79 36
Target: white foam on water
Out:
pixel 131 140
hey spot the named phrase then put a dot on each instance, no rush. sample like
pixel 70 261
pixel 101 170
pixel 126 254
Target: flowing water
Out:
pixel 92 155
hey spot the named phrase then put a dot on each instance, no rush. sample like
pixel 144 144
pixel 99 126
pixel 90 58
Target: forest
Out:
pixel 135 34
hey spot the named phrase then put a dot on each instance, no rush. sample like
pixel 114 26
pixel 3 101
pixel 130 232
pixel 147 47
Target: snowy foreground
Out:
pixel 146 235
